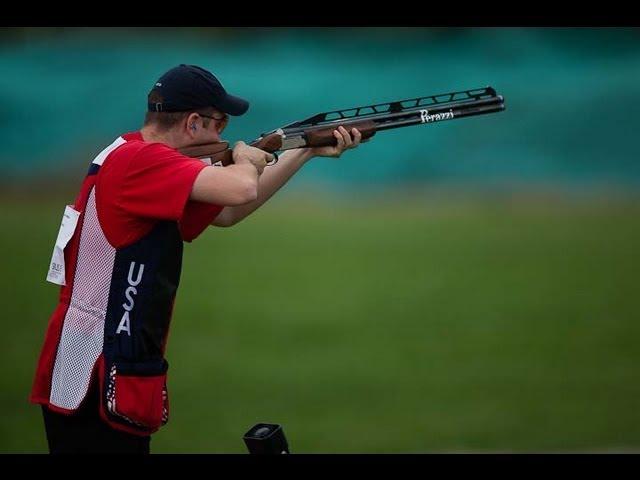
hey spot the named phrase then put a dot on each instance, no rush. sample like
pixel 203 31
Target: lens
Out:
pixel 222 123
pixel 262 432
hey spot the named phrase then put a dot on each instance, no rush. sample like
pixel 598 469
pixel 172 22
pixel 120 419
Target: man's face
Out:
pixel 215 122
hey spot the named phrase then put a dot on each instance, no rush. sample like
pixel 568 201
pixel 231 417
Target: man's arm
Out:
pixel 275 176
pixel 271 180
pixel 236 184
pixel 232 185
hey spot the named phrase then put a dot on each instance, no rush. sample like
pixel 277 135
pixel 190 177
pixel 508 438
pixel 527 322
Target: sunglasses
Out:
pixel 221 121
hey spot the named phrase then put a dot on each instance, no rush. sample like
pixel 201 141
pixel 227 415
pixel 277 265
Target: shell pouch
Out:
pixel 137 392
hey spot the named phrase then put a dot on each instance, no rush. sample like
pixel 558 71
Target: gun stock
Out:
pixel 219 153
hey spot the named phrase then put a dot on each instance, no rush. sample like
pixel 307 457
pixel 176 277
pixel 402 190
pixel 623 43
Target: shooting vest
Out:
pixel 112 320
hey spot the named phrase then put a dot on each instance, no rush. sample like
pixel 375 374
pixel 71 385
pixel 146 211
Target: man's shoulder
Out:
pixel 133 142
pixel 134 146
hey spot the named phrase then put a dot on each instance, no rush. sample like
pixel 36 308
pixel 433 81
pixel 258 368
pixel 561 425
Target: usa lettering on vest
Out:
pixel 125 325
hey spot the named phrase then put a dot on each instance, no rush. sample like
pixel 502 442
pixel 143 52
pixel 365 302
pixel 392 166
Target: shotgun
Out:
pixel 317 131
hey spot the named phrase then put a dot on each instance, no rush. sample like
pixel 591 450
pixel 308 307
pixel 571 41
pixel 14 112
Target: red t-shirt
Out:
pixel 141 183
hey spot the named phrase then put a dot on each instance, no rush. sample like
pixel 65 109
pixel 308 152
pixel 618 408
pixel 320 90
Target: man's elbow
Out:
pixel 221 222
pixel 244 192
pixel 249 192
pixel 224 219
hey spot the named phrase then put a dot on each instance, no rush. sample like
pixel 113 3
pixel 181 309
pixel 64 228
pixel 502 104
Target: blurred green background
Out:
pixel 463 286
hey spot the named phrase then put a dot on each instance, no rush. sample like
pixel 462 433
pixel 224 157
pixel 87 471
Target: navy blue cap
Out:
pixel 188 87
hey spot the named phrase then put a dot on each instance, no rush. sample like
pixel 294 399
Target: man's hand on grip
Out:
pixel 243 153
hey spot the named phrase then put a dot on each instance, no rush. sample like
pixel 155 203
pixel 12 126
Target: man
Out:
pixel 101 376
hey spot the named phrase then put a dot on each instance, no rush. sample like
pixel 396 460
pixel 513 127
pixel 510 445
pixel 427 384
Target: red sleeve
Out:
pixel 197 217
pixel 157 182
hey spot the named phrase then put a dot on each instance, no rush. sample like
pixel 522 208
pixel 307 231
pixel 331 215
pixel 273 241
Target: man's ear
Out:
pixel 192 124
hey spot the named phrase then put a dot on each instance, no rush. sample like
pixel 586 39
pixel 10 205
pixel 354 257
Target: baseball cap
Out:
pixel 189 87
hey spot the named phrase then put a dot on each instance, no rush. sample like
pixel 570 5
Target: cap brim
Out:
pixel 233 105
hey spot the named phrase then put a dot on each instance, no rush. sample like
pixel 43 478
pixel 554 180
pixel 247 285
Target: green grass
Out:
pixel 405 326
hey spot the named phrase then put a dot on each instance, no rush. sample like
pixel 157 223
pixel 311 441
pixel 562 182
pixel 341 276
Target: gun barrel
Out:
pixel 443 113
pixel 317 130
pixel 411 116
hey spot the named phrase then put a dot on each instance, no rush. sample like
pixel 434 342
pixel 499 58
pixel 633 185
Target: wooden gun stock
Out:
pixel 220 151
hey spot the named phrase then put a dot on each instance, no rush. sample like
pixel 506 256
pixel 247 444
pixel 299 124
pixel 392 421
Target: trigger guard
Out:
pixel 274 161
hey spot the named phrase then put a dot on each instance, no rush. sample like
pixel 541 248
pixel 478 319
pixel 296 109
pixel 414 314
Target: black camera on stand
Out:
pixel 266 438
